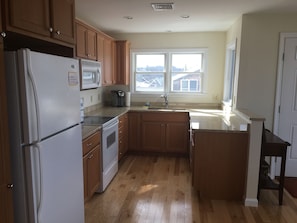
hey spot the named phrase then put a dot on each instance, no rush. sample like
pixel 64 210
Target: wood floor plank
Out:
pixel 156 189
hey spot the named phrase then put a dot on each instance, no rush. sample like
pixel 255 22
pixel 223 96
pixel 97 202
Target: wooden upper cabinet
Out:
pixel 2 33
pixel 28 15
pixel 100 47
pixel 62 20
pixel 6 189
pixel 86 42
pixel 122 62
pixel 108 62
pixel 44 19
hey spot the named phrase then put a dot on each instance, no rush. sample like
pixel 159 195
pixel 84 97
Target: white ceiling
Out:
pixel 205 15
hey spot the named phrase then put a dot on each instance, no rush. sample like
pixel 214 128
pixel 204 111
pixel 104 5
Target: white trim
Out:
pixel 251 202
pixel 168 52
pixel 229 48
pixel 279 78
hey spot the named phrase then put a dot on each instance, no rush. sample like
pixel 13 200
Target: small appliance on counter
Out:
pixel 118 98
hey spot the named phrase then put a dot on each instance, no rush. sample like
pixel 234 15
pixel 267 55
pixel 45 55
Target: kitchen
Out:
pixel 244 30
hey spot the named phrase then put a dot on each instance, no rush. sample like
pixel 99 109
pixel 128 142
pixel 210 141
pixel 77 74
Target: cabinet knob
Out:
pixel 58 32
pixel 51 29
pixel 3 34
pixel 10 186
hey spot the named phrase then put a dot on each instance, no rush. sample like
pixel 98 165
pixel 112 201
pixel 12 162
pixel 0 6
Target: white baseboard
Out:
pixel 251 202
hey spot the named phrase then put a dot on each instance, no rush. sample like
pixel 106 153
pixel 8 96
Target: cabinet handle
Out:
pixel 3 34
pixel 89 144
pixel 51 29
pixel 10 186
pixel 58 32
pixel 91 156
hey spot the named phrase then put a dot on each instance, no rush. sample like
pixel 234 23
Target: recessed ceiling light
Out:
pixel 128 17
pixel 185 16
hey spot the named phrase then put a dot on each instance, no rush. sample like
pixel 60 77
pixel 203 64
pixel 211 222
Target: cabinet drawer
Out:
pixel 90 142
pixel 123 120
pixel 165 116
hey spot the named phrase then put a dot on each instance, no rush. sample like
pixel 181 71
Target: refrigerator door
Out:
pixel 57 178
pixel 51 98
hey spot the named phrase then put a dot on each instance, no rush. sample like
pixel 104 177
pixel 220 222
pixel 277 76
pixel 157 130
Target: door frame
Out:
pixel 279 77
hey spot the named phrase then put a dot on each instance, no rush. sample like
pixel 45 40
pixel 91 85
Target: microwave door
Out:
pixel 90 79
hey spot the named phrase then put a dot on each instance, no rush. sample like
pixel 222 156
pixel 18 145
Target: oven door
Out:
pixel 109 144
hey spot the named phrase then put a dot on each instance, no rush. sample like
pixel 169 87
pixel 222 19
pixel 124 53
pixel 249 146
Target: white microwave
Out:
pixel 90 72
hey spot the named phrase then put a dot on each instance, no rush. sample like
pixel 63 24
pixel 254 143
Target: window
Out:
pixel 229 73
pixel 175 71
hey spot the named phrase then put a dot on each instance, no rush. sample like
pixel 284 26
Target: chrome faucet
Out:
pixel 165 96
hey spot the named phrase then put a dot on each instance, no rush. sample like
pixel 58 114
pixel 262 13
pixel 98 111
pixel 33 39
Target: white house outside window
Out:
pixel 164 71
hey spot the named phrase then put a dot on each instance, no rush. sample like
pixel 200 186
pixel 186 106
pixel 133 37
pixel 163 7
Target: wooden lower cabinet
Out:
pixel 92 164
pixel 161 132
pixel 134 134
pixel 123 135
pixel 219 164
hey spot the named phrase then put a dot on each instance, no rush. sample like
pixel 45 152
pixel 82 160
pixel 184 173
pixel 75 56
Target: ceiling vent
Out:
pixel 162 6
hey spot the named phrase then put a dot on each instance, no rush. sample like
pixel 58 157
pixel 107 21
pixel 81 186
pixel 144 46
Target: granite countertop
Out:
pixel 217 120
pixel 201 119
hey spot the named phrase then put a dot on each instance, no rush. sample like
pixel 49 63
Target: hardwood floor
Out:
pixel 156 189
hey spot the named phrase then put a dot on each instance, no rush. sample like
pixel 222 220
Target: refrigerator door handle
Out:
pixel 34 89
pixel 39 189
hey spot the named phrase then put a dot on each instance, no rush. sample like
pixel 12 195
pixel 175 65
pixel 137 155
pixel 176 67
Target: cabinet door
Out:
pixel 108 78
pixel 62 20
pixel 177 137
pixel 93 170
pixel 86 42
pixel 134 134
pixel 100 47
pixel 91 45
pixel 28 15
pixel 6 208
pixel 123 62
pixel 81 34
pixel 153 139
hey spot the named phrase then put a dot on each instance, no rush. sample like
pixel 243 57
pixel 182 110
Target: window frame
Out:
pixel 168 73
pixel 229 79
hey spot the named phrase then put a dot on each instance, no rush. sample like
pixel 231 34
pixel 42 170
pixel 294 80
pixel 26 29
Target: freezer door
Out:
pixel 50 95
pixel 57 178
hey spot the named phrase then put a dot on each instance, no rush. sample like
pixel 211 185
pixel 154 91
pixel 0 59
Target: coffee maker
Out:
pixel 118 98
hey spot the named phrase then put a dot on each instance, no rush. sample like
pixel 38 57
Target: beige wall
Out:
pixel 214 41
pixel 258 61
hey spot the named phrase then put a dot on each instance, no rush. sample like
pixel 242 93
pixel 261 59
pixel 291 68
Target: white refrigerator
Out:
pixel 45 137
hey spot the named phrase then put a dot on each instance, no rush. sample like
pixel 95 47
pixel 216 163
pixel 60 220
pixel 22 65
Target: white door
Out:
pixel 288 105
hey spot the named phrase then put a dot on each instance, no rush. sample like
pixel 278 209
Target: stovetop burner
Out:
pixel 96 120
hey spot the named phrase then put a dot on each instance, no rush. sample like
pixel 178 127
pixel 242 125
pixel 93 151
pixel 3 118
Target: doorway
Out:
pixel 285 120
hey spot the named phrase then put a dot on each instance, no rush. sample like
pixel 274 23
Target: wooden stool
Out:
pixel 272 145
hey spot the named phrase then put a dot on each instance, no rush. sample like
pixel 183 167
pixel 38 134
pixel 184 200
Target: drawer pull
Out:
pixel 89 144
pixel 91 156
